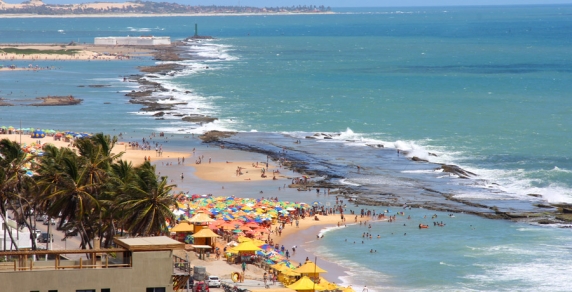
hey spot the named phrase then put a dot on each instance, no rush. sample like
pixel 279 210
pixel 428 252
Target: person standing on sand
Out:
pixel 364 289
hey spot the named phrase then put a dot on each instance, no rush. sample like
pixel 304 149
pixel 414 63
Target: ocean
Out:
pixel 484 88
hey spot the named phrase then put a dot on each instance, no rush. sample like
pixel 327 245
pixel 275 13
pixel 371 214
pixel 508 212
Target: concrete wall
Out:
pixel 133 41
pixel 105 41
pixel 150 269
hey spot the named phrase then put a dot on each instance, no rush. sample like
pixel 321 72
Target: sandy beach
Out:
pixel 136 157
pixel 226 172
pixel 124 15
pixel 291 235
pixel 63 52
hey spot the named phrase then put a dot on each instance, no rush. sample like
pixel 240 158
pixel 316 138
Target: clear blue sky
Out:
pixel 332 3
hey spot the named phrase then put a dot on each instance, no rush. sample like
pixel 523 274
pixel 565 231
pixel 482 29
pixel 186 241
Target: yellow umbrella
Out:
pixel 310 268
pixel 183 227
pixel 247 246
pixel 290 273
pixel 305 284
pixel 348 289
pixel 244 239
pixel 258 242
pixel 328 285
pixel 204 233
pixel 280 267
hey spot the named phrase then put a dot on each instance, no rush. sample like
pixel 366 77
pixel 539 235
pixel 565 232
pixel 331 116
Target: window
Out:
pixel 85 290
pixel 52 290
pixel 160 289
pixel 105 290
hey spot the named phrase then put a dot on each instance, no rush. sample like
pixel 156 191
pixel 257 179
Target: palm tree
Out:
pixel 148 201
pixel 13 180
pixel 71 196
pixel 121 176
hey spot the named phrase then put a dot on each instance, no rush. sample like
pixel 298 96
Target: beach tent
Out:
pixel 200 218
pixel 205 233
pixel 305 284
pixel 205 236
pixel 183 227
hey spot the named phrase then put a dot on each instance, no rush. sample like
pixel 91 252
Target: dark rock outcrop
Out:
pixel 214 136
pixel 457 171
pixel 199 119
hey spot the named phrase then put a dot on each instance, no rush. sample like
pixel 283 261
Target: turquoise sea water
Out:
pixel 486 88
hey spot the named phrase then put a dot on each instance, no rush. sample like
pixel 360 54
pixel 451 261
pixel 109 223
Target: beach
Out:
pixel 308 90
pixel 69 52
pixel 135 156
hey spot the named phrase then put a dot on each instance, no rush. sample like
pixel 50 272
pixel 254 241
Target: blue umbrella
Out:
pixel 38 134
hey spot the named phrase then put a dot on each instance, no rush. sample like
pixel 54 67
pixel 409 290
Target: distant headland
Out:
pixel 143 8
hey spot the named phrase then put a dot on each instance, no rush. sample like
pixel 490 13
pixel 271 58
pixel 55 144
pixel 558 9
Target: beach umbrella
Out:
pixel 310 268
pixel 306 284
pixel 290 273
pixel 247 246
pixel 178 212
pixel 348 289
pixel 328 285
pixel 38 134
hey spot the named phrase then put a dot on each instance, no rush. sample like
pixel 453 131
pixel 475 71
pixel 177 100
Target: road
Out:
pixel 58 244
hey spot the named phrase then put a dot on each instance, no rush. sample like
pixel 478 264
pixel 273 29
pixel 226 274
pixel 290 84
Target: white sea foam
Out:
pixel 349 182
pixel 141 29
pixel 182 97
pixel 509 184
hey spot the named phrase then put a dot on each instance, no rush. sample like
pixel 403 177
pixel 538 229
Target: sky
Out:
pixel 331 3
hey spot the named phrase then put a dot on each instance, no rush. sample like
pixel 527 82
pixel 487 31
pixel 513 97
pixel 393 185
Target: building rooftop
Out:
pixel 149 243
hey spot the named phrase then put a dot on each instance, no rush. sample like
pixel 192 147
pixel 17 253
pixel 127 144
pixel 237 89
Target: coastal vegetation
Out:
pixel 148 7
pixel 69 52
pixel 90 191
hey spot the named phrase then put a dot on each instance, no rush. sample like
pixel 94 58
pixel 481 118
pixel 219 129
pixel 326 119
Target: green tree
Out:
pixel 13 181
pixel 148 200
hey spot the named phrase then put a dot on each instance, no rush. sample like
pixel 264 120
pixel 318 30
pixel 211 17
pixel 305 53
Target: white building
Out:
pixel 21 237
pixel 133 41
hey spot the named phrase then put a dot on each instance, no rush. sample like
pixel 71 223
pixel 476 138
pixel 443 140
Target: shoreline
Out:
pixel 135 156
pixel 531 211
pixel 70 52
pixel 124 15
